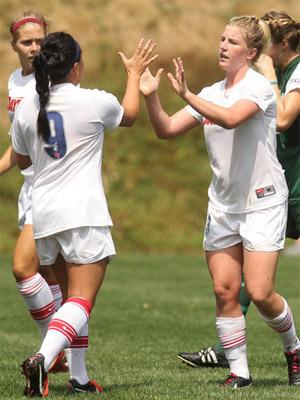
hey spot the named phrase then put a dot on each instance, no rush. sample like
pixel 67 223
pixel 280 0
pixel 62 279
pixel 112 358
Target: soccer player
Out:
pixel 39 289
pixel 283 54
pixel 247 208
pixel 61 132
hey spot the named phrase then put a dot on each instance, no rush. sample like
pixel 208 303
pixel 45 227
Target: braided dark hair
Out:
pixel 59 52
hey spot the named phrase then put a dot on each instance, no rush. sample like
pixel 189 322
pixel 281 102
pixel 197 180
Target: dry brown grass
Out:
pixel 189 28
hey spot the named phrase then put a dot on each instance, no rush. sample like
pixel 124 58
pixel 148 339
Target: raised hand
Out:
pixel 141 58
pixel 266 67
pixel 178 82
pixel 149 83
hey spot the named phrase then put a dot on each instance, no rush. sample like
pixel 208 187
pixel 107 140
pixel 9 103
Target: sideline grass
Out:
pixel 150 308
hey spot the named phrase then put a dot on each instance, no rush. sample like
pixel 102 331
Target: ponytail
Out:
pixel 59 52
pixel 42 88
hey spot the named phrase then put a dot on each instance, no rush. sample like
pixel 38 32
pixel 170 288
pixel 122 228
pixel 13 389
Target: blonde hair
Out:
pixel 255 31
pixel 24 15
pixel 283 27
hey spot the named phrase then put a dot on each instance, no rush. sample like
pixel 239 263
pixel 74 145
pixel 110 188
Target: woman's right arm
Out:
pixel 7 161
pixel 165 126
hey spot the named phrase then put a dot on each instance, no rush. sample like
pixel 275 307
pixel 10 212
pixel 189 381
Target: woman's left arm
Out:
pixel 288 106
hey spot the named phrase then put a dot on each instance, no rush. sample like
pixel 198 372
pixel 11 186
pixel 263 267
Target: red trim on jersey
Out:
pixel 24 21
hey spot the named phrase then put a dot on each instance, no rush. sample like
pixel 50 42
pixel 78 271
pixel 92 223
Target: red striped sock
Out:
pixel 284 325
pixel 64 327
pixel 39 300
pixel 232 334
pixel 76 356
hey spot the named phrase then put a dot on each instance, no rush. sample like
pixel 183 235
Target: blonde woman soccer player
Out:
pixel 281 65
pixel 61 131
pixel 247 208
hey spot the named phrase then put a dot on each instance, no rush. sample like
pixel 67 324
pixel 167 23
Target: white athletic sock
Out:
pixel 39 300
pixel 69 319
pixel 76 356
pixel 283 324
pixel 57 295
pixel 232 334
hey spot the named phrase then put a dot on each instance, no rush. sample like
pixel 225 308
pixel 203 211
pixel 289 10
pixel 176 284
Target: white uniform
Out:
pixel 247 176
pixel 67 187
pixel 20 86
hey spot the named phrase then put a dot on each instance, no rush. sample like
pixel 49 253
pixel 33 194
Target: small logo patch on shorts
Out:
pixel 264 192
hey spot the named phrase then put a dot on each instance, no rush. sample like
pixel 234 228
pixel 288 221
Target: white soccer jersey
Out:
pixel 67 186
pixel 246 172
pixel 294 81
pixel 20 86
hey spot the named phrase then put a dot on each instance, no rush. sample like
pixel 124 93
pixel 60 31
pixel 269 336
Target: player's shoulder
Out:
pixel 257 78
pixel 15 76
pixel 97 95
pixel 296 73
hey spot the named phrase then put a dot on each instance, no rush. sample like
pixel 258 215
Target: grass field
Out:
pixel 150 308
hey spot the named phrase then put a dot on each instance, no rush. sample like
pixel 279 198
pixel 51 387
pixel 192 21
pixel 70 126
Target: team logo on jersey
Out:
pixel 13 103
pixel 265 191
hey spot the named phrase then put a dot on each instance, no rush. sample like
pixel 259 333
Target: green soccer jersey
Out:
pixel 288 149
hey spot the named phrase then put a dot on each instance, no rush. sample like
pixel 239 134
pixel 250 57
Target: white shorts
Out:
pixel 25 205
pixel 83 245
pixel 262 230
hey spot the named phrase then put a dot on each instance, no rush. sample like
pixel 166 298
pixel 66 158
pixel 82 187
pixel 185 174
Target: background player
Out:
pixel 39 289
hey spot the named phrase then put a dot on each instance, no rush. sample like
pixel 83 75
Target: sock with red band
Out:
pixel 283 324
pixel 57 295
pixel 232 335
pixel 64 327
pixel 39 300
pixel 76 356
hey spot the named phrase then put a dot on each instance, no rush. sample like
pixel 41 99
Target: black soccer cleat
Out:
pixel 207 358
pixel 293 360
pixel 36 376
pixel 90 387
pixel 236 382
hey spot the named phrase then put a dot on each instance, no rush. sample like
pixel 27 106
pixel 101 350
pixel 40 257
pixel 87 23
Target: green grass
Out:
pixel 150 308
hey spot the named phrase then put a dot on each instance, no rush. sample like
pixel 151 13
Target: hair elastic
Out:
pixel 24 21
pixel 78 52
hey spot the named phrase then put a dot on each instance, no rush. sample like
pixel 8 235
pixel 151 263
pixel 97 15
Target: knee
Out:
pixel 224 293
pixel 259 296
pixel 21 268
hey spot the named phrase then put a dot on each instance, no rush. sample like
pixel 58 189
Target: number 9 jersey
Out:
pixel 67 184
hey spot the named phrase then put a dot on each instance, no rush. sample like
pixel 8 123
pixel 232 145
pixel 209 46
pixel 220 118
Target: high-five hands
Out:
pixel 141 58
pixel 149 83
pixel 178 82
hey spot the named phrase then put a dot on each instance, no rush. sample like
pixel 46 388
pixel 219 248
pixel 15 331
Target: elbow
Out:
pixel 283 125
pixel 162 135
pixel 229 125
pixel 128 120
